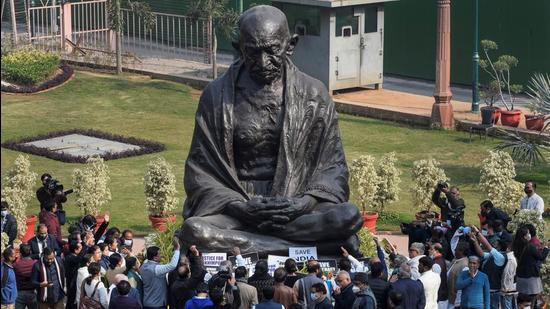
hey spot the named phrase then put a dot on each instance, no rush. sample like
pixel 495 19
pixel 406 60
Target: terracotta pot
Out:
pixel 534 122
pixel 159 223
pixel 31 222
pixel 511 118
pixel 490 115
pixel 369 221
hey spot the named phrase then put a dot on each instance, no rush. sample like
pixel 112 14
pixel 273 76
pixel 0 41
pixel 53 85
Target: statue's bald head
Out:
pixel 265 42
pixel 263 21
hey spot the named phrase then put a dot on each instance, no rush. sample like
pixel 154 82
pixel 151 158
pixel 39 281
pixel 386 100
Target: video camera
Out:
pixel 55 188
pixel 442 184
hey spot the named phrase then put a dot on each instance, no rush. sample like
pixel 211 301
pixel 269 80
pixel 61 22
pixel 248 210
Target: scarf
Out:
pixel 44 278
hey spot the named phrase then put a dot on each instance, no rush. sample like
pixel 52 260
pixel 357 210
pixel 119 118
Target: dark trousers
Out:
pixel 162 307
pixel 26 299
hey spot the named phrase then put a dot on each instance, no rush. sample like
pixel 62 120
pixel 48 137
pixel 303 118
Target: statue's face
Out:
pixel 265 42
pixel 264 55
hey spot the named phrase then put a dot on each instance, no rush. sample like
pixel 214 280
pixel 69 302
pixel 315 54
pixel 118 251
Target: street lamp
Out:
pixel 475 81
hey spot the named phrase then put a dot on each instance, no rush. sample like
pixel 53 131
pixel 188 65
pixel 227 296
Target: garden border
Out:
pixel 66 74
pixel 146 147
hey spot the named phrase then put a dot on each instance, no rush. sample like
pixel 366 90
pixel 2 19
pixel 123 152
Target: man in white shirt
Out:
pixel 416 252
pixel 532 201
pixel 430 280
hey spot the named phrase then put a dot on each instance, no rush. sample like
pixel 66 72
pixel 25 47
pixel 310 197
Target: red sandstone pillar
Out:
pixel 442 110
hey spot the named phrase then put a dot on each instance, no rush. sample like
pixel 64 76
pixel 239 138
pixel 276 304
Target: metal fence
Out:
pixel 171 36
pixel 84 26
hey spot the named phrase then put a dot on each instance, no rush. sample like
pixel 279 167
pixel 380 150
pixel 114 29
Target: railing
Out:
pixel 45 27
pixel 171 36
pixel 90 26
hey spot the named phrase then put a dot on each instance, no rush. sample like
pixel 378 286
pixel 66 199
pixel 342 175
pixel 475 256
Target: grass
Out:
pixel 164 112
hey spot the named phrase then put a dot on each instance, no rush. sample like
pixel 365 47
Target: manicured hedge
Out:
pixel 29 66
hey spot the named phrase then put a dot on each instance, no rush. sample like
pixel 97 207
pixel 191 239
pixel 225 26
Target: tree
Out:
pixel 221 17
pixel 17 190
pixel 116 23
pixel 425 175
pixel 91 186
pixel 388 181
pixel 364 180
pixel 160 188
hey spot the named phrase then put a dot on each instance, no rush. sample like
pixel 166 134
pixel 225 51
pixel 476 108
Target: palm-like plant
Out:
pixel 526 149
pixel 539 90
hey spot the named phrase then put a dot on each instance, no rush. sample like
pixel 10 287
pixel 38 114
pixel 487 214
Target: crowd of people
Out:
pixel 449 265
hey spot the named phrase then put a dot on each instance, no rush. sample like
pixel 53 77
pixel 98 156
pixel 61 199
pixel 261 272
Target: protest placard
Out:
pixel 302 254
pixel 212 261
pixel 275 261
pixel 328 266
pixel 250 261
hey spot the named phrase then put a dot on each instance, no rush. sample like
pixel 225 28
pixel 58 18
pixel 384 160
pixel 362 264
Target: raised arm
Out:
pixel 161 270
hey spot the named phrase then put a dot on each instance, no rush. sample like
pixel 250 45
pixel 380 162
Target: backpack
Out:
pixel 88 302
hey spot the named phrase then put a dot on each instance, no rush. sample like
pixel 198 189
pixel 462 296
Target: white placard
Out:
pixel 303 254
pixel 275 261
pixel 213 260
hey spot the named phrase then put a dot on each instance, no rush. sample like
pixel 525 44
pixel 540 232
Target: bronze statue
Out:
pixel 266 169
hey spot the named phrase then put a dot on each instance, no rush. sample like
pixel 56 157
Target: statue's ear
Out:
pixel 292 44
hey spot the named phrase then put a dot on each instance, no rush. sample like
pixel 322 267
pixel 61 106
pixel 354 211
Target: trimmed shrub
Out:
pixel 29 66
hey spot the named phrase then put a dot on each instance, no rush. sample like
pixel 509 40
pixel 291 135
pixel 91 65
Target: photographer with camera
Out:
pixel 452 205
pixel 52 192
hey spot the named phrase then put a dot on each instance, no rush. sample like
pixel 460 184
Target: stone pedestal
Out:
pixel 442 110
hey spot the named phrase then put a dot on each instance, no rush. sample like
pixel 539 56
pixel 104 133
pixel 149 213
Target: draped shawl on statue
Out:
pixel 310 159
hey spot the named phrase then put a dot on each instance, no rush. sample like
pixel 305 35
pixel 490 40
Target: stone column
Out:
pixel 442 110
pixel 66 26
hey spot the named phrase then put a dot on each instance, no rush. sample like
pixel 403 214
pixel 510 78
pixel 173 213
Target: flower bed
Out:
pixel 145 146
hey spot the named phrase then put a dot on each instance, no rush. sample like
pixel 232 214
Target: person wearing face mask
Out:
pixel 48 216
pixel 532 201
pixel 41 241
pixel 9 285
pixel 440 267
pixel 9 224
pixel 474 285
pixel 528 257
pixel 183 280
pixel 343 294
pixel 134 278
pixel 48 277
pixel 127 239
pixel 365 299
pixel 319 297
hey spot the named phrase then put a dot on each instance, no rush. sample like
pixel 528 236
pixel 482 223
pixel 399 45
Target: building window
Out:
pixel 302 19
pixel 371 18
pixel 345 20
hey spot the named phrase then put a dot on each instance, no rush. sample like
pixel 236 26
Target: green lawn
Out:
pixel 163 111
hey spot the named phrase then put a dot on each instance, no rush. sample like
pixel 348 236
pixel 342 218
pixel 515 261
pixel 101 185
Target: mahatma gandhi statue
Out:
pixel 266 169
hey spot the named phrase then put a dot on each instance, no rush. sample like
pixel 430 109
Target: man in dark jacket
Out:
pixel 72 263
pixel 412 290
pixel 43 240
pixel 9 223
pixel 261 278
pixel 26 296
pixel 123 300
pixel 184 280
pixel 365 299
pixel 378 285
pixel 489 213
pixel 452 205
pixel 48 277
pixel 343 294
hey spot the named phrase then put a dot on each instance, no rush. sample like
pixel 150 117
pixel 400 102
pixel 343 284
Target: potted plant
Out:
pixel 160 193
pixel 365 182
pixel 490 114
pixel 539 91
pixel 91 188
pixel 17 191
pixel 377 184
pixel 499 71
pixel 425 176
pixel 497 181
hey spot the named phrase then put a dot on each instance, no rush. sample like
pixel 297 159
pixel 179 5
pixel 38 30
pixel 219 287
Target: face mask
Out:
pixel 527 191
pixel 42 238
pixel 528 237
pixel 484 232
pixel 527 307
pixel 4 213
pixel 128 242
pixel 314 296
pixel 356 289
